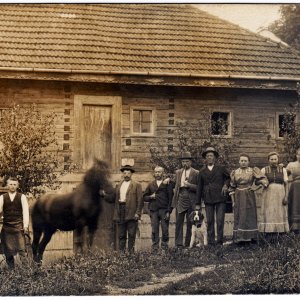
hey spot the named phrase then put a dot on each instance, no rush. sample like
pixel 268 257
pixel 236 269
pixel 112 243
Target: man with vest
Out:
pixel 14 207
pixel 159 195
pixel 128 208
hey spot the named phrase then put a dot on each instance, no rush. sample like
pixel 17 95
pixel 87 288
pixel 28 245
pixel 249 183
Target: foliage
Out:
pixel 291 129
pixel 29 149
pixel 271 267
pixel 288 26
pixel 195 137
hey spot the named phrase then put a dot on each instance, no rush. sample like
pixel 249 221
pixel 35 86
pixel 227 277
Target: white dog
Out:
pixel 199 229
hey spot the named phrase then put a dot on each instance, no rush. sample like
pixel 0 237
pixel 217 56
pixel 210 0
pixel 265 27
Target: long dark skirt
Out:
pixel 245 216
pixel 294 206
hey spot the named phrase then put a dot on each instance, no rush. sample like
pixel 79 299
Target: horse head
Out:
pixel 97 177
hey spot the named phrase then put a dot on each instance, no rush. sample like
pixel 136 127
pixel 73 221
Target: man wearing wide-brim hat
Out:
pixel 184 198
pixel 212 189
pixel 128 208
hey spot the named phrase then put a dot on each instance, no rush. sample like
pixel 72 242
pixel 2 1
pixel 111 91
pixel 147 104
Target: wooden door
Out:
pixel 97 134
pixel 97 130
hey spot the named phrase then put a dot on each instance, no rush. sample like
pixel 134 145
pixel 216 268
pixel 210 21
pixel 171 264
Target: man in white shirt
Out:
pixel 14 207
pixel 128 208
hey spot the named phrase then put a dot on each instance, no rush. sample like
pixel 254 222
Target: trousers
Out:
pixel 211 210
pixel 127 228
pixel 158 218
pixel 179 228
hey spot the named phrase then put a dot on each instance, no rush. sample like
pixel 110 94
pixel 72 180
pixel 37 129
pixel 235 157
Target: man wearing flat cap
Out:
pixel 184 198
pixel 212 189
pixel 128 208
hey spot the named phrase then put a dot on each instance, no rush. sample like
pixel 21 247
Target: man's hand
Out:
pixel 284 201
pixel 224 190
pixel 26 231
pixel 102 193
pixel 198 207
pixel 137 217
pixel 166 181
pixel 167 216
pixel 152 196
pixel 186 184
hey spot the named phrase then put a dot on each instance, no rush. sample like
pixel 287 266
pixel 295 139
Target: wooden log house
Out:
pixel 120 76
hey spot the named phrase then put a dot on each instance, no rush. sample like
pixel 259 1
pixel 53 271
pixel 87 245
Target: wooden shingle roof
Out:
pixel 156 38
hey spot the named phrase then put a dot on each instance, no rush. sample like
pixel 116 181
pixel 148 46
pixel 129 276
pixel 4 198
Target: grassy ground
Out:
pixel 265 268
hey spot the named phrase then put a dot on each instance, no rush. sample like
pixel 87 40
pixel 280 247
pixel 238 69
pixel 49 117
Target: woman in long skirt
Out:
pixel 274 199
pixel 244 202
pixel 294 195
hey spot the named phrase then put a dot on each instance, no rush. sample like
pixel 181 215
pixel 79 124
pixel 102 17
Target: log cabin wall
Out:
pixel 254 115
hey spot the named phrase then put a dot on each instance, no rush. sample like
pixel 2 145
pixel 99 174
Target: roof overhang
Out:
pixel 152 78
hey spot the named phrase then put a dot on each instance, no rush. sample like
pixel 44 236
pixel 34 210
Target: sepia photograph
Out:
pixel 149 148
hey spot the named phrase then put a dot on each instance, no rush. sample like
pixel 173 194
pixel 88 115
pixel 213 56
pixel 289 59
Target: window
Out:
pixel 142 121
pixel 286 124
pixel 220 123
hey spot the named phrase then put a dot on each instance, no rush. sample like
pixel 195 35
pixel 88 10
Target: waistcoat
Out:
pixel 12 212
pixel 274 175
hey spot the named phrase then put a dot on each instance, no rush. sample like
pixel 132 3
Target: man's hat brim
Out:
pixel 210 151
pixel 127 169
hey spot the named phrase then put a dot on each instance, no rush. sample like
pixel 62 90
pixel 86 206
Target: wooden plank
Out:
pixel 97 134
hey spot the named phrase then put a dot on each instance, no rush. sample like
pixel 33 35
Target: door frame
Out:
pixel 116 103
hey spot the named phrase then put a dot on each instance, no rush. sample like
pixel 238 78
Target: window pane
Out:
pixel 142 121
pixel 219 123
pixel 136 127
pixel 146 127
pixel 146 116
pixel 136 116
pixel 286 124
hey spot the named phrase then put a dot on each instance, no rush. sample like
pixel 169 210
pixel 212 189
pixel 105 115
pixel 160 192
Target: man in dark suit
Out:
pixel 159 195
pixel 184 198
pixel 212 188
pixel 128 208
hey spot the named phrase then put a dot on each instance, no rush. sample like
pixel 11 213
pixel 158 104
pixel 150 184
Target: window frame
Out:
pixel 153 121
pixel 230 123
pixel 277 129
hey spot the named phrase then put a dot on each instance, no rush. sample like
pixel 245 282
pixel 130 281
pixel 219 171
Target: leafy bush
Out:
pixel 291 129
pixel 195 137
pixel 29 148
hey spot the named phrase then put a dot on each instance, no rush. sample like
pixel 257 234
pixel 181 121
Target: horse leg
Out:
pixel 92 227
pixel 37 232
pixel 78 239
pixel 44 242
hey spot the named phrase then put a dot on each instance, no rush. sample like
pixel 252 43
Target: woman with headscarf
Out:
pixel 294 195
pixel 242 185
pixel 274 198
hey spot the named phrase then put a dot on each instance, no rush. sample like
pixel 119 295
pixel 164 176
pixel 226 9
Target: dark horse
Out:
pixel 71 211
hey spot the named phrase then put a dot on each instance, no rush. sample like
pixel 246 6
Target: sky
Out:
pixel 249 16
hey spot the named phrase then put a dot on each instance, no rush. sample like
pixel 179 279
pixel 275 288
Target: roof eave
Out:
pixel 152 78
pixel 162 74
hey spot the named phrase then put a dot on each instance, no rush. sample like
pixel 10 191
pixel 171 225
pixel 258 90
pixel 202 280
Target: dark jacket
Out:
pixel 134 201
pixel 210 184
pixel 193 179
pixel 163 196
